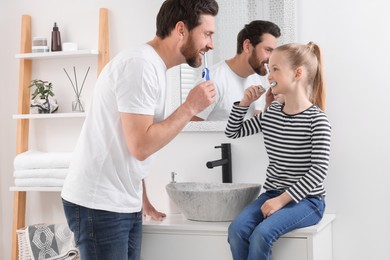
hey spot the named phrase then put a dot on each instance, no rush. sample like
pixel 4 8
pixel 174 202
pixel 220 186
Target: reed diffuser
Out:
pixel 77 104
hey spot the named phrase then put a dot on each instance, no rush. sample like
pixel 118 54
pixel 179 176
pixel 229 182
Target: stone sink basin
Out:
pixel 212 201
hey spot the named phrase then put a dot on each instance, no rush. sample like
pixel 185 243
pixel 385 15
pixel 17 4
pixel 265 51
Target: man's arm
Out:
pixel 144 137
pixel 147 207
pixel 196 118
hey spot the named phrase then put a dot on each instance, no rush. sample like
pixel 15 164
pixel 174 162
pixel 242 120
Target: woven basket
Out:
pixel 61 234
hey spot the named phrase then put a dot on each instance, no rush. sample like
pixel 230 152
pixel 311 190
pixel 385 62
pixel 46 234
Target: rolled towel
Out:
pixel 39 160
pixel 39 182
pixel 41 173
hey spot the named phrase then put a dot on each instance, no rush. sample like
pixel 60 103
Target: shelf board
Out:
pixel 48 189
pixel 57 54
pixel 53 115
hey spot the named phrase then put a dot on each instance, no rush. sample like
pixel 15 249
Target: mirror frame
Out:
pixel 281 12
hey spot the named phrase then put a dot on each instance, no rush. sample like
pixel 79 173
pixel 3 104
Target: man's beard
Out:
pixel 190 53
pixel 259 68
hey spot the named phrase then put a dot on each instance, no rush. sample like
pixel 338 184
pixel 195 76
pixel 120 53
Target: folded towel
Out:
pixel 39 182
pixel 41 173
pixel 55 242
pixel 39 160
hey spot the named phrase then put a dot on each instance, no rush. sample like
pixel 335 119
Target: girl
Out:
pixel 297 139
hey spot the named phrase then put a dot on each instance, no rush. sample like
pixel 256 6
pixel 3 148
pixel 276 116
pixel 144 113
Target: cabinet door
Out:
pixel 188 247
pixel 286 248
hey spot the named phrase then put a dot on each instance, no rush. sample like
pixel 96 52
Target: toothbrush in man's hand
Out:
pixel 205 71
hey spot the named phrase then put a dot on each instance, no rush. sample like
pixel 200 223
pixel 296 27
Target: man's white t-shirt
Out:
pixel 103 173
pixel 230 88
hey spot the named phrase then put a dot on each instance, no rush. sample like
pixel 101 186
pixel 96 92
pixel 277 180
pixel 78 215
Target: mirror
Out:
pixel 232 16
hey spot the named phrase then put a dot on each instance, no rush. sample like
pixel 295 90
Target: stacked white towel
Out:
pixel 41 169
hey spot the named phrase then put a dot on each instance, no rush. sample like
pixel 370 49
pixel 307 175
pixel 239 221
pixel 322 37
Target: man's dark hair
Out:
pixel 187 11
pixel 254 32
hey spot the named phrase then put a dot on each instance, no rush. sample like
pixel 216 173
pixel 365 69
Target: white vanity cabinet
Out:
pixel 176 238
pixel 310 243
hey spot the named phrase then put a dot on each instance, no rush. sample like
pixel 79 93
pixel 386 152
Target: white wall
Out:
pixel 354 39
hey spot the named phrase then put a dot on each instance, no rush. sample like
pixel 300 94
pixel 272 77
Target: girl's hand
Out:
pixel 251 94
pixel 272 205
pixel 269 98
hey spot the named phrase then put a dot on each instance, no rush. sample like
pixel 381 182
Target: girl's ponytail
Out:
pixel 318 94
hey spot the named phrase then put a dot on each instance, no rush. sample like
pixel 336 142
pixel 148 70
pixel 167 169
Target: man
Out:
pixel 255 42
pixel 125 126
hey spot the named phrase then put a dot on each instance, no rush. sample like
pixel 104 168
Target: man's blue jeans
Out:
pixel 251 236
pixel 105 235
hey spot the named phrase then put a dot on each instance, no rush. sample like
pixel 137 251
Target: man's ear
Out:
pixel 246 45
pixel 180 28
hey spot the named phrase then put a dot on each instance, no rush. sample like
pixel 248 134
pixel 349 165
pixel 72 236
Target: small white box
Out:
pixel 69 46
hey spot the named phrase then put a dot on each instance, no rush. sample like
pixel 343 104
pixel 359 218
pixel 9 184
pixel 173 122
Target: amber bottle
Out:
pixel 56 39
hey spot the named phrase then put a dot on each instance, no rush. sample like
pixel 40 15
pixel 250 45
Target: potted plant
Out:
pixel 42 97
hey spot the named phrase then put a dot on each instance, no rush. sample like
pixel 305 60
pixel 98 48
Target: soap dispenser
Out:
pixel 56 39
pixel 173 208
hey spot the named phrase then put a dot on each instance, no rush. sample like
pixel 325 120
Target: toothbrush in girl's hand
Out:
pixel 205 71
pixel 272 84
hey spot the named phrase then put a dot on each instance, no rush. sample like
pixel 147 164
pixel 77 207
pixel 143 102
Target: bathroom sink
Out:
pixel 212 201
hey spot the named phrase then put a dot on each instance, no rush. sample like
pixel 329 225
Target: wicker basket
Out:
pixel 32 248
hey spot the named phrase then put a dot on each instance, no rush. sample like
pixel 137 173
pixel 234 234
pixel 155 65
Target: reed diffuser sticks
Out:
pixel 77 104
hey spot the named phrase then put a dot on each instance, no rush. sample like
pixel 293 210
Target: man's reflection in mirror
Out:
pixel 255 43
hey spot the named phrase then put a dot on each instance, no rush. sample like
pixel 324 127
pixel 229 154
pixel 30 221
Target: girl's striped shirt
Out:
pixel 297 145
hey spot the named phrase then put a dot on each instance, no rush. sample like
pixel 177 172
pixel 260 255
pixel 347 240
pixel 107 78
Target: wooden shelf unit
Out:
pixel 23 117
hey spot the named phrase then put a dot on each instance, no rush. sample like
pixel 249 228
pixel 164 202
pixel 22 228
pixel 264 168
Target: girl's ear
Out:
pixel 298 73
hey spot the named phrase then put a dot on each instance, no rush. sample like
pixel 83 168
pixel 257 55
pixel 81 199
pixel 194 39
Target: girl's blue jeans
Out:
pixel 251 236
pixel 105 235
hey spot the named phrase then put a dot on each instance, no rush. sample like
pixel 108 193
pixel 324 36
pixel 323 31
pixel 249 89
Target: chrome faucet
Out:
pixel 225 162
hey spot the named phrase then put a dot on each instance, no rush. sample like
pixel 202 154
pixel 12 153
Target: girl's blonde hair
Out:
pixel 310 57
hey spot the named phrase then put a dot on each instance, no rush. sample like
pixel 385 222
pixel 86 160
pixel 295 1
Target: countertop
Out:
pixel 178 224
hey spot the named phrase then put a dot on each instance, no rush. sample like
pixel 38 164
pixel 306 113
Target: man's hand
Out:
pixel 147 207
pixel 149 210
pixel 201 96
